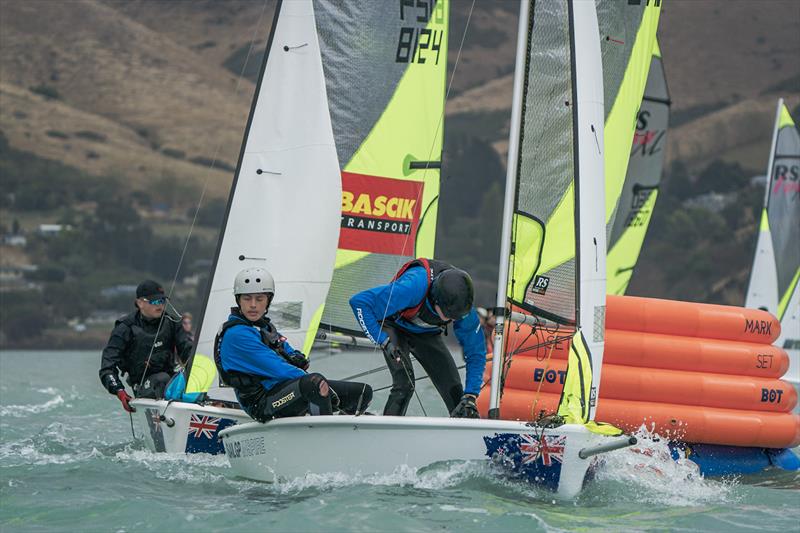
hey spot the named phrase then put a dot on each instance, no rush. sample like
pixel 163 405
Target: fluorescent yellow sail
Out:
pixel 640 190
pixel 621 121
pixel 202 375
pixel 390 180
pixel 618 133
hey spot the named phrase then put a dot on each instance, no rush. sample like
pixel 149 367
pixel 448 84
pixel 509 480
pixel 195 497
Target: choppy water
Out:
pixel 68 463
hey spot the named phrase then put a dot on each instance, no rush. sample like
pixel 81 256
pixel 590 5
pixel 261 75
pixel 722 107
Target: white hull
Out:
pixel 185 427
pixel 290 448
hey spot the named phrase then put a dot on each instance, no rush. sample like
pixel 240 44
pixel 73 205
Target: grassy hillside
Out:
pixel 150 98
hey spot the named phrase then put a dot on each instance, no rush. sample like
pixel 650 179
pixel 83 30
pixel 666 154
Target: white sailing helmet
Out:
pixel 253 281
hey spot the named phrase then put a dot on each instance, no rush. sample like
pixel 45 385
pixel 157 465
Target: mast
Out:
pixel 508 204
pixel 590 190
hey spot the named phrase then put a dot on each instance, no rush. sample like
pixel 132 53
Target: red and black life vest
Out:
pixel 422 312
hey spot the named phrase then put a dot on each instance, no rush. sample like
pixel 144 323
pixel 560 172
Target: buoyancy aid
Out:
pixel 138 360
pixel 247 383
pixel 421 314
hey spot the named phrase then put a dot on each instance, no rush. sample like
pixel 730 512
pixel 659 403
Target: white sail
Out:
pixel 284 209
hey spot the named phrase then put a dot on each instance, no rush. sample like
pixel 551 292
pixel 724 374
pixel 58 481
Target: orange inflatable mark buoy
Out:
pixel 695 354
pixel 684 423
pixel 661 386
pixel 652 350
pixel 686 319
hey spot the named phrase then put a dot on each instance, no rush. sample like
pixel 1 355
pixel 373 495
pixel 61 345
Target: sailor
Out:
pixel 144 344
pixel 409 315
pixel 267 374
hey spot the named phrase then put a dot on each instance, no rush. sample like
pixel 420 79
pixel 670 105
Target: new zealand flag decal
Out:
pixel 203 431
pixel 536 458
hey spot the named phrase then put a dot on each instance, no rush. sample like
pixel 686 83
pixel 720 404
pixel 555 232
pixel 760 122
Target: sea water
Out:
pixel 68 462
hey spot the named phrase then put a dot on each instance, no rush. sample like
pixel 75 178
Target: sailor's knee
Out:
pixel 315 384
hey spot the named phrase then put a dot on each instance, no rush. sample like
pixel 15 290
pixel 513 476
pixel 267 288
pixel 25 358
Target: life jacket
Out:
pixel 248 383
pixel 142 342
pixel 421 314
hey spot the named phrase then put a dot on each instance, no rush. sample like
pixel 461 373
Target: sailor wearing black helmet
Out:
pixel 144 345
pixel 409 315
pixel 267 373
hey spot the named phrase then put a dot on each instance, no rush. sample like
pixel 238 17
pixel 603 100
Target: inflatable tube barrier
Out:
pixel 687 319
pixel 653 350
pixel 684 423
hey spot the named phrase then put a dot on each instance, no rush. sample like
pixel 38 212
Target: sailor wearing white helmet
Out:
pixel 267 373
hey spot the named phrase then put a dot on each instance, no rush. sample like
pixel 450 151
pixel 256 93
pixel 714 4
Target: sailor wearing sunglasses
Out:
pixel 144 345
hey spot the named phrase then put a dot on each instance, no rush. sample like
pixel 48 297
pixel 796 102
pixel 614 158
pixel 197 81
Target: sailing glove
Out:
pixel 391 350
pixel 299 360
pixel 466 408
pixel 124 398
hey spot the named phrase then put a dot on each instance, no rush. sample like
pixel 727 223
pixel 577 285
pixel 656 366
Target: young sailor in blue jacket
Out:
pixel 409 315
pixel 268 375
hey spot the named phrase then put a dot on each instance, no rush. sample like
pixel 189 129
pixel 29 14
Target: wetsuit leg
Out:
pixel 354 397
pixel 438 362
pixel 402 375
pixel 296 397
pixel 315 389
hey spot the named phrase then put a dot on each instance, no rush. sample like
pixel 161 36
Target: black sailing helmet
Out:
pixel 452 291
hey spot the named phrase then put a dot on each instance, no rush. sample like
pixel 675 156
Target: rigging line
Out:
pixel 203 193
pixel 216 152
pixel 130 415
pixel 426 376
pixel 374 370
pixel 433 142
pixel 366 373
pixel 361 399
pixel 541 381
pixel 412 380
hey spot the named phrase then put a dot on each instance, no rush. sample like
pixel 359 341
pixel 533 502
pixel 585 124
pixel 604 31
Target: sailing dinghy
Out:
pixel 775 277
pixel 561 39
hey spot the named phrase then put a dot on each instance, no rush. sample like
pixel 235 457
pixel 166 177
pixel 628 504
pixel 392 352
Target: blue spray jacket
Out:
pixel 372 305
pixel 242 350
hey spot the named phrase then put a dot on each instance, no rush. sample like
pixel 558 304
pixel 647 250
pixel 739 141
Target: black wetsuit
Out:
pixel 129 348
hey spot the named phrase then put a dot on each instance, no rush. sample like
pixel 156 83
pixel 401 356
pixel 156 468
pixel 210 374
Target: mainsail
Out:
pixel 385 68
pixel 627 37
pixel 554 218
pixel 776 266
pixel 284 208
pixel 640 191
